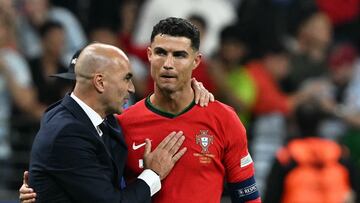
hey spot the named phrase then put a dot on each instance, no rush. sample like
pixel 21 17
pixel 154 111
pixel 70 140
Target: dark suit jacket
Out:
pixel 70 163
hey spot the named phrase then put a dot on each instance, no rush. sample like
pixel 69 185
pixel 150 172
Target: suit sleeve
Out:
pixel 77 166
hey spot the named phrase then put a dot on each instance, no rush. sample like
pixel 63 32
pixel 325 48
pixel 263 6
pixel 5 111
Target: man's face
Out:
pixel 118 86
pixel 172 61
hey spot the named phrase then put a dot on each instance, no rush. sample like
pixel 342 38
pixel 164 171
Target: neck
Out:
pixel 172 102
pixel 91 101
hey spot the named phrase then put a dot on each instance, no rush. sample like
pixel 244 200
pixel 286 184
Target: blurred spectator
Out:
pixel 310 168
pixel 94 13
pixel 338 97
pixel 266 74
pixel 201 73
pixel 337 93
pixel 15 83
pixel 217 14
pixel 107 35
pixel 233 84
pixel 270 106
pixel 345 18
pixel 49 89
pixel 309 50
pixel 128 18
pixel 35 14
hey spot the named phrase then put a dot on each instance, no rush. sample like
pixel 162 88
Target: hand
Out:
pixel 166 154
pixel 202 95
pixel 27 194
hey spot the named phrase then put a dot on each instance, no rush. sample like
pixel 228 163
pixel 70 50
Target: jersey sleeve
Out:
pixel 237 160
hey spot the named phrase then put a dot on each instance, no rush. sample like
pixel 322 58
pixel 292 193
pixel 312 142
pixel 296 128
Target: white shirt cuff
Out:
pixel 152 180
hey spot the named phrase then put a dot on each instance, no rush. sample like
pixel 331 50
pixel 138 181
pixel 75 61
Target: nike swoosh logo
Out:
pixel 135 147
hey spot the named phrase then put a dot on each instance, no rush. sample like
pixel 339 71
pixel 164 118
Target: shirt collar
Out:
pixel 94 117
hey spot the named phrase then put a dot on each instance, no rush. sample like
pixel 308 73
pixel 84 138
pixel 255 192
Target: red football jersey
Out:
pixel 216 149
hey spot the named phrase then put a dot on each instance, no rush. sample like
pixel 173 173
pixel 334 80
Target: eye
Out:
pixel 128 77
pixel 180 54
pixel 160 52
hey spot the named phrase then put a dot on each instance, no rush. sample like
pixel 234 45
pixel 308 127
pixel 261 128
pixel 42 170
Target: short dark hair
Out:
pixel 178 27
pixel 48 26
pixel 308 117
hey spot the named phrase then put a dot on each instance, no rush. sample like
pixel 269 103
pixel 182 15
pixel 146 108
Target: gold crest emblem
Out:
pixel 204 140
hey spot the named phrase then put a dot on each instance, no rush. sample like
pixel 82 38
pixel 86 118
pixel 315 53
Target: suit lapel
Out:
pixel 78 113
pixel 114 132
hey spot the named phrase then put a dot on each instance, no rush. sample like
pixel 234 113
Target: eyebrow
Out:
pixel 180 53
pixel 159 49
pixel 175 53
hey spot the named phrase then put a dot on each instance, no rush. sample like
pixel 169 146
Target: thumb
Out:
pixel 147 147
pixel 26 178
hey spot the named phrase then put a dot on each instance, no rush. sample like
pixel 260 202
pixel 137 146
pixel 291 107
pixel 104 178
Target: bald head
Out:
pixel 98 57
pixel 103 78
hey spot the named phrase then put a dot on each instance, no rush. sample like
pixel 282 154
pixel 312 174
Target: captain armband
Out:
pixel 244 191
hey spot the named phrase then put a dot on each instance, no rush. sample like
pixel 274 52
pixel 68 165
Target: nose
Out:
pixel 169 62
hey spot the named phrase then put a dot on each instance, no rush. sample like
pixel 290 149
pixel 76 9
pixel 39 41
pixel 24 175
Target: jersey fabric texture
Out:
pixel 216 149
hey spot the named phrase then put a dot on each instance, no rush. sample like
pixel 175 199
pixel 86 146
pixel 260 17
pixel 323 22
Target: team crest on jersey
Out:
pixel 204 140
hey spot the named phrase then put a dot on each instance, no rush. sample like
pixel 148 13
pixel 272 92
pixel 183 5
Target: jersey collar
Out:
pixel 152 108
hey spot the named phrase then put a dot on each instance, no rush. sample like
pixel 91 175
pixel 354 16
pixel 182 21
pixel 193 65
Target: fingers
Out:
pixel 174 139
pixel 177 145
pixel 212 98
pixel 28 197
pixel 204 95
pixel 178 155
pixel 28 201
pixel 26 194
pixel 25 190
pixel 166 140
pixel 147 147
pixel 196 87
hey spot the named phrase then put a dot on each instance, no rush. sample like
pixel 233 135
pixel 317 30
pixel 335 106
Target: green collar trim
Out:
pixel 152 108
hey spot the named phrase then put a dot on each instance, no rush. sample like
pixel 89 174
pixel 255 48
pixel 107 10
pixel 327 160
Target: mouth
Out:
pixel 168 76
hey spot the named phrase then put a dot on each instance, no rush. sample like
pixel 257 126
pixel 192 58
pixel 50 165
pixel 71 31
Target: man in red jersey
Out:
pixel 215 137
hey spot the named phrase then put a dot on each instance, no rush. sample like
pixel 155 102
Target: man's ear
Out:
pixel 149 53
pixel 98 81
pixel 197 60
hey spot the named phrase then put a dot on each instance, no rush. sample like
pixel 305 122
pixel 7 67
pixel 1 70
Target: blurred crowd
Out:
pixel 274 61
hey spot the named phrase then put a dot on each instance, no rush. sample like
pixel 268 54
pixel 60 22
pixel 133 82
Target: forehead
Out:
pixel 171 43
pixel 122 65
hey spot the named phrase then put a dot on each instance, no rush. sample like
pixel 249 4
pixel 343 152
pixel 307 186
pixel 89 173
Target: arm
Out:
pixel 24 96
pixel 83 166
pixel 161 161
pixel 238 162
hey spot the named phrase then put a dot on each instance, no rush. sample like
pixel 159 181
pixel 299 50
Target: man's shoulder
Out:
pixel 59 119
pixel 219 107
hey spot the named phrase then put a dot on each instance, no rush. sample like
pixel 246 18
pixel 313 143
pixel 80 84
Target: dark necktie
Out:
pixel 106 139
pixel 105 136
